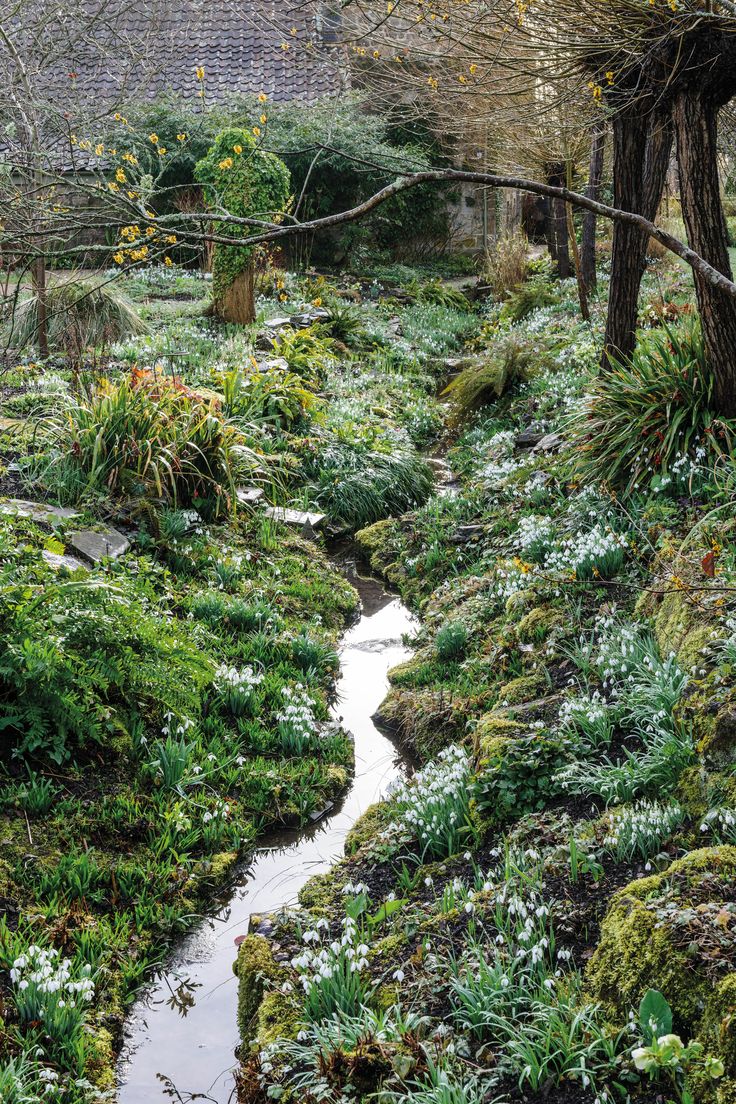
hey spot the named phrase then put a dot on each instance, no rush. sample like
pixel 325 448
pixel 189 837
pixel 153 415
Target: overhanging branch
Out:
pixel 491 180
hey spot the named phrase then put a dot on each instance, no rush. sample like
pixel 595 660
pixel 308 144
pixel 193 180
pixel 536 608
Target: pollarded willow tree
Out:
pixel 241 180
pixel 658 71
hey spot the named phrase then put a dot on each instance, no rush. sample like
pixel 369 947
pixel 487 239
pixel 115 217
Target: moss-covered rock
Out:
pixel 538 623
pixel 646 941
pixel 491 733
pixel 424 720
pixel 680 623
pixel 378 543
pixel 256 967
pixel 523 689
pixel 279 1017
pixel 368 826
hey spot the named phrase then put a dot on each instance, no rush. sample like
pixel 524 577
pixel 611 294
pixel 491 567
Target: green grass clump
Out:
pixel 82 314
pixel 652 415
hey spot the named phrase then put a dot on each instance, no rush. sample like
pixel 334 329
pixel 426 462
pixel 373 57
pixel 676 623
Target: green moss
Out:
pixel 385 997
pixel 677 621
pixel 100 1063
pixel 279 1017
pixel 717 1033
pixel 255 967
pixel 425 720
pixel 523 689
pixel 492 732
pixel 377 543
pixel 636 951
pixel 367 826
pixel 321 892
pixel 717 1030
pixel 537 624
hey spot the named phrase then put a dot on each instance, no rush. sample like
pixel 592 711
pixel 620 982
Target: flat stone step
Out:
pixel 56 560
pixel 96 545
pixel 549 443
pixel 304 520
pixel 38 511
pixel 248 496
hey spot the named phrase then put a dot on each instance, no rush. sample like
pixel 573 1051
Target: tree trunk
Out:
pixel 696 127
pixel 642 145
pixel 237 304
pixel 558 222
pixel 595 177
pixel 39 284
pixel 582 290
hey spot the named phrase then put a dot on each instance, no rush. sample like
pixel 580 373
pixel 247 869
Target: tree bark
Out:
pixel 238 304
pixel 595 177
pixel 39 284
pixel 696 128
pixel 558 222
pixel 642 146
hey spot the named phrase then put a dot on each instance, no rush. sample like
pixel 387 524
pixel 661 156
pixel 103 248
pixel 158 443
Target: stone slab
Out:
pixel 304 520
pixel 55 560
pixel 549 443
pixel 248 496
pixel 96 545
pixel 38 511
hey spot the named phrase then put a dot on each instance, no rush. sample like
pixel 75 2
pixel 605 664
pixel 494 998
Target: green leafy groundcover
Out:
pixel 545 911
pixel 146 741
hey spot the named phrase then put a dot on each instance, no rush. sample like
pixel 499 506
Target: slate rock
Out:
pixel 549 443
pixel 306 521
pixel 96 545
pixel 528 439
pixel 38 511
pixel 56 560
pixel 248 496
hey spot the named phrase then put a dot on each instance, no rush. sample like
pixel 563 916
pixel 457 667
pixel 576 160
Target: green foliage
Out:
pixel 655 1015
pixel 337 177
pixel 141 438
pixel 536 292
pixel 653 414
pixel 83 314
pixel 248 183
pixel 269 395
pixel 441 294
pixel 82 660
pixel 357 486
pixel 452 641
pixel 512 360
pixel 306 351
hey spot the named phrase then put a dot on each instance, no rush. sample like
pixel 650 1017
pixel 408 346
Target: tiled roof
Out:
pixel 153 46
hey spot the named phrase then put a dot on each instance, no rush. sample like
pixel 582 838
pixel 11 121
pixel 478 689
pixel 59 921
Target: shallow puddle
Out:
pixel 182 1034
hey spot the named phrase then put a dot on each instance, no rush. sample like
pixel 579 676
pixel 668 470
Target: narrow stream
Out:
pixel 182 1034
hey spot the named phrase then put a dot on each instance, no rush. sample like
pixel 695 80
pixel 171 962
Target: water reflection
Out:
pixel 182 1034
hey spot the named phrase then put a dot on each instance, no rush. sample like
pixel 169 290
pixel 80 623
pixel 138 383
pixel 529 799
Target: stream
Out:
pixel 182 1033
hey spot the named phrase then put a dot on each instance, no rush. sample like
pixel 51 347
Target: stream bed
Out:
pixel 182 1033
